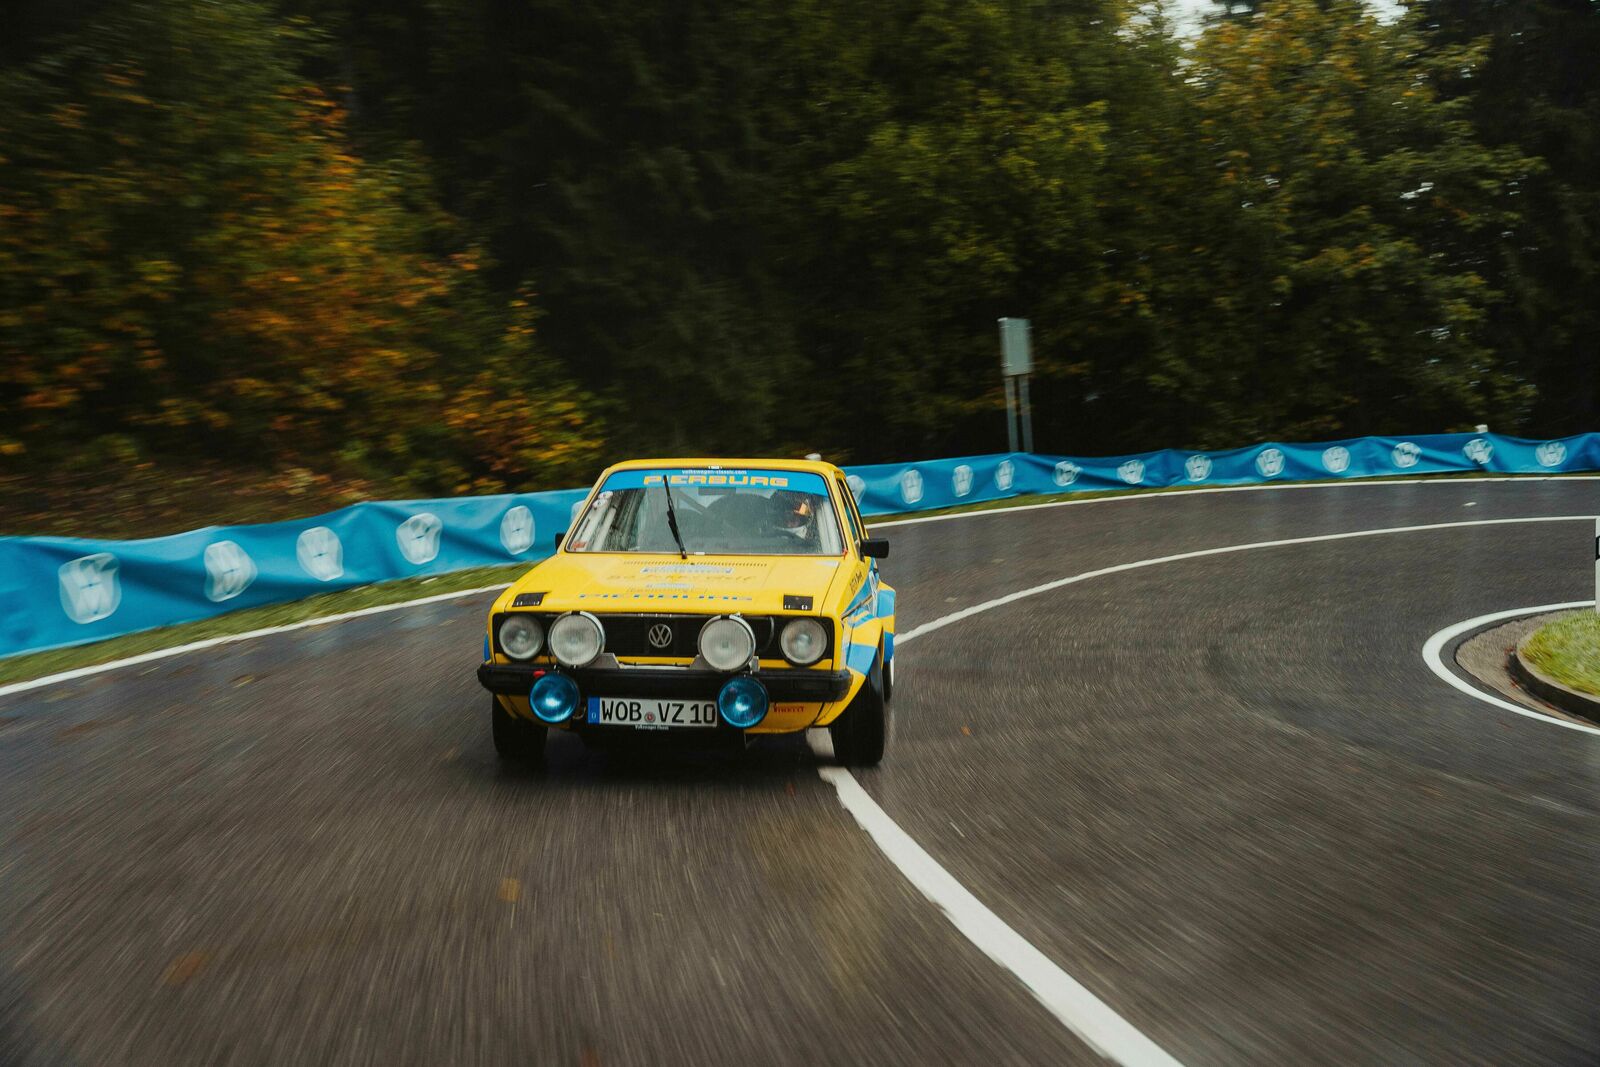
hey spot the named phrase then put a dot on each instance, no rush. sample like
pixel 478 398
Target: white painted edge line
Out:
pixel 1021 594
pixel 1154 494
pixel 228 639
pixel 1433 656
pixel 1079 1010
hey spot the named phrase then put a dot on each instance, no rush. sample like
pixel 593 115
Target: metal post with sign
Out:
pixel 1011 417
pixel 1016 364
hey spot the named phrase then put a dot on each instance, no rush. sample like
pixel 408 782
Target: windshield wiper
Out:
pixel 672 519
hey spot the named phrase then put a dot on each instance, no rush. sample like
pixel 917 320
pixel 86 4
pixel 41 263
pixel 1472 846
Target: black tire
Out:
pixel 862 731
pixel 516 740
pixel 888 680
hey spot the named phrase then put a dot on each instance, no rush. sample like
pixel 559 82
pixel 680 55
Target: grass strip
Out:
pixel 1568 650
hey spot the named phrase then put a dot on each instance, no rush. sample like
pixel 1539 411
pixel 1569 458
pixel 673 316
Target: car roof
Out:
pixel 821 467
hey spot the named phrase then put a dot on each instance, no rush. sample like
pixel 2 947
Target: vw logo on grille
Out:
pixel 660 635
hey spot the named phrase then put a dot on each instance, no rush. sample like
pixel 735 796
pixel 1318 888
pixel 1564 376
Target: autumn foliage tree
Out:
pixel 194 258
pixel 436 240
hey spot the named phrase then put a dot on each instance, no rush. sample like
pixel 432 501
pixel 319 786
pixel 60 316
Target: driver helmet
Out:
pixel 796 513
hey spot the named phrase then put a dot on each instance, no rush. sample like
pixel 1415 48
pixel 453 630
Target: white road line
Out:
pixel 213 642
pixel 1021 594
pixel 1079 1010
pixel 1156 495
pixel 1432 655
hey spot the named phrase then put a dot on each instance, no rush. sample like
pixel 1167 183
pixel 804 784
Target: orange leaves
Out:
pixel 194 254
pixel 69 116
pixel 325 307
pixel 50 398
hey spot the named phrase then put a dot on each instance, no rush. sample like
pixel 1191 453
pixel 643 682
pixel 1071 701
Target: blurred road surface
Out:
pixel 1224 793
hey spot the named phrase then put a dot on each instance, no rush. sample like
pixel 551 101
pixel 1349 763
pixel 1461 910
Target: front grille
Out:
pixel 631 635
pixel 640 634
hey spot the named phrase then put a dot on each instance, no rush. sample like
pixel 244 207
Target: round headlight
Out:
pixel 803 642
pixel 521 637
pixel 576 638
pixel 727 642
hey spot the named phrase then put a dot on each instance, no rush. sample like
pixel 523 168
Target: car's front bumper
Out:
pixel 795 685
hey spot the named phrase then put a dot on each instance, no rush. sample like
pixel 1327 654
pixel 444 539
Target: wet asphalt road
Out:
pixel 1224 793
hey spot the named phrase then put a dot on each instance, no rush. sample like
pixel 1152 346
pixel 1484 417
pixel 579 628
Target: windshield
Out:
pixel 720 512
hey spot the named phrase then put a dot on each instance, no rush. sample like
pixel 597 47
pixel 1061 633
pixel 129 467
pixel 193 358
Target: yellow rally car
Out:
pixel 708 598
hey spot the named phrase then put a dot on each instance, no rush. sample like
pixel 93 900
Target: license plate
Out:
pixel 644 714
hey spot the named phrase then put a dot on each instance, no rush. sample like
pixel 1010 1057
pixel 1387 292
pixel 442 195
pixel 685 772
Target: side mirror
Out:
pixel 560 537
pixel 875 547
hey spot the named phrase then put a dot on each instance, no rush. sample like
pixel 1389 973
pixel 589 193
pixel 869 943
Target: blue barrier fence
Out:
pixel 58 591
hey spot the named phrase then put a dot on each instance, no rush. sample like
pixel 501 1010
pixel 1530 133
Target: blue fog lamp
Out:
pixel 742 702
pixel 554 698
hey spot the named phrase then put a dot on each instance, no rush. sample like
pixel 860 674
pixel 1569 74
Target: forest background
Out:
pixel 263 256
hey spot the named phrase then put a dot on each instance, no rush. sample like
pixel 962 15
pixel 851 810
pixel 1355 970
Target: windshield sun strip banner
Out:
pixel 59 591
pixel 692 477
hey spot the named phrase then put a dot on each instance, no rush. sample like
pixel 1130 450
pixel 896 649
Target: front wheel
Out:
pixel 861 732
pixel 516 739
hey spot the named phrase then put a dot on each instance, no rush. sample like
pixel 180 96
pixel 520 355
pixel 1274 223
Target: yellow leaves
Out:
pixel 281 299
pixel 129 98
pixel 51 398
pixel 121 321
pixel 156 272
pixel 250 387
pixel 69 116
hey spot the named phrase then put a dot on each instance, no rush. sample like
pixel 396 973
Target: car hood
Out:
pixel 700 584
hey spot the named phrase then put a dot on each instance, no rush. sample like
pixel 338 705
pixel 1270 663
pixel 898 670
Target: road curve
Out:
pixel 1224 793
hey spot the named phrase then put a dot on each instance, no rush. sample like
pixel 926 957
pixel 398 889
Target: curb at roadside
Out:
pixel 1547 688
